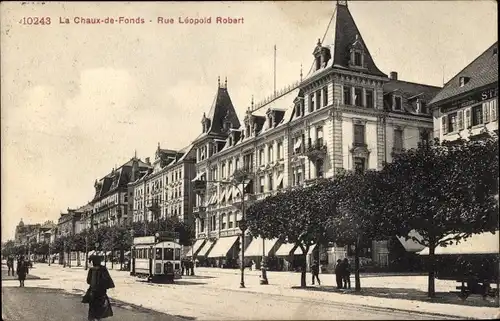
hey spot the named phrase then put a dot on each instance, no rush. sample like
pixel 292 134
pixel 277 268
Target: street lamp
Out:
pixel 263 276
pixel 86 252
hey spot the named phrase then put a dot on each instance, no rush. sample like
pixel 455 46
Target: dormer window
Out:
pixel 463 81
pixel 318 62
pixel 357 59
pixel 421 106
pixel 397 103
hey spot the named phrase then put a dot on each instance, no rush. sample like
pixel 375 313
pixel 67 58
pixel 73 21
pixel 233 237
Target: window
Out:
pixel 359 164
pixel 280 151
pixel 270 154
pixel 358 97
pixel 319 136
pixel 369 98
pixel 158 254
pixel 486 112
pixel 423 107
pixel 223 170
pixel 357 59
pixel 397 103
pixel 230 220
pixel 261 156
pixel 311 102
pixel 297 110
pixel 463 81
pixel 261 184
pixel 318 62
pixel 452 122
pixel 347 95
pixel 477 115
pixel 493 110
pixel 460 120
pixel 398 139
pixel 325 96
pixel 271 182
pixel 223 220
pixel 359 134
pixel 230 168
pixel 318 99
pixel 168 254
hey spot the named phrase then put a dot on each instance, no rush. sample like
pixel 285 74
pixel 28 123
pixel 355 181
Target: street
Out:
pixel 188 299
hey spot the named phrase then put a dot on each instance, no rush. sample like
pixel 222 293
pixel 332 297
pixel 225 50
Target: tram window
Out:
pixel 158 254
pixel 168 254
pixel 177 266
pixel 177 254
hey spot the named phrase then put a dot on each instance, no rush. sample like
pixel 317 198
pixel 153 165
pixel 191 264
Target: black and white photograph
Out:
pixel 249 160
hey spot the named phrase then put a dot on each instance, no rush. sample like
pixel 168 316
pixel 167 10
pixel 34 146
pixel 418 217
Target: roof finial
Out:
pixel 225 83
pixel 319 42
pixel 135 153
pixel 252 102
pixel 218 81
pixel 300 72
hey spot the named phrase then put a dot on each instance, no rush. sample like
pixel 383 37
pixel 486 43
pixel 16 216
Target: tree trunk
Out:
pixel 303 272
pixel 121 259
pixel 357 279
pixel 431 290
pixel 112 259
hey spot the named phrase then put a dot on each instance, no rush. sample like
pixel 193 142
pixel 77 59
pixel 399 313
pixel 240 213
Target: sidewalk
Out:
pixel 210 286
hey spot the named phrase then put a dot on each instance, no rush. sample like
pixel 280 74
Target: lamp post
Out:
pixel 132 254
pixel 86 252
pixel 50 257
pixel 263 275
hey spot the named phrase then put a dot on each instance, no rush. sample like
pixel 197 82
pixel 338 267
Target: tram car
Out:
pixel 156 258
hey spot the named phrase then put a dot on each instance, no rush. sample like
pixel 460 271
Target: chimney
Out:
pixel 394 75
pixel 148 161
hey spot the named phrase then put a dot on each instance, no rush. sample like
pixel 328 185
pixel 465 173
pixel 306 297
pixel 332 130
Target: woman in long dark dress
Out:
pixel 22 271
pixel 99 281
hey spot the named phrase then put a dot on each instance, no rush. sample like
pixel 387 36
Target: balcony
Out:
pixel 199 210
pixel 316 150
pixel 237 201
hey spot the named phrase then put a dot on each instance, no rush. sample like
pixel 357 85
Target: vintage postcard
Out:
pixel 244 160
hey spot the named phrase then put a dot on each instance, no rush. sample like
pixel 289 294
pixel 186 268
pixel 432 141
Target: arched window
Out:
pixel 223 221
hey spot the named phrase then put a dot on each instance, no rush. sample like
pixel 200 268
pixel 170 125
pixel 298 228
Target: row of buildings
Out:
pixel 345 113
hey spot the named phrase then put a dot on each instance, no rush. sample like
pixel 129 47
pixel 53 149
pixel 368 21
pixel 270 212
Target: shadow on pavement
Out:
pixel 189 277
pixel 408 294
pixel 177 282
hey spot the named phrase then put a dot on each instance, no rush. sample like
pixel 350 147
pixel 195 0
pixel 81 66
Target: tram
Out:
pixel 156 258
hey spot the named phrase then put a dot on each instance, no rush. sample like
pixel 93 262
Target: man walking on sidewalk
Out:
pixel 315 272
pixel 339 273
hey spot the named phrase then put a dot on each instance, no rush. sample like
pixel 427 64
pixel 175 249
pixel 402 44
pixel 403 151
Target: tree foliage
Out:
pixel 296 216
pixel 445 192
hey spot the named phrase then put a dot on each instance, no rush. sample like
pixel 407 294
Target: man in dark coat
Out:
pixel 339 273
pixel 22 271
pixel 347 274
pixel 315 272
pixel 10 264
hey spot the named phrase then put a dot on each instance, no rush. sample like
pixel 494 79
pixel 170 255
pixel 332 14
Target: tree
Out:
pixel 359 216
pixel 295 216
pixel 445 192
pixel 9 248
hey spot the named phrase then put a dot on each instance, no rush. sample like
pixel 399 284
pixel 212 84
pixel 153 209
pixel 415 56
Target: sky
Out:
pixel 78 100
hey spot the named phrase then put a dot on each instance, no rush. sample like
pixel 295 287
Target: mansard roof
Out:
pixel 481 72
pixel 343 34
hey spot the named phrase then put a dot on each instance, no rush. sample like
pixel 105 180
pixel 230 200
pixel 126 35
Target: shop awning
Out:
pixel 198 177
pixel 213 199
pixel 285 249
pixel 298 250
pixel 410 245
pixel 279 181
pixel 91 253
pixel 255 247
pixel 126 253
pixel 189 250
pixel 240 188
pixel 222 196
pixel 298 143
pixel 482 243
pixel 222 246
pixel 205 248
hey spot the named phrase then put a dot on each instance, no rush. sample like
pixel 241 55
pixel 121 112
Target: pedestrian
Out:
pixel 339 269
pixel 315 272
pixel 183 266
pixel 347 274
pixel 22 271
pixel 99 282
pixel 191 265
pixel 10 264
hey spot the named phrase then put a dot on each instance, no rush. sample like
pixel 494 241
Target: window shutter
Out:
pixel 444 124
pixel 460 120
pixel 467 118
pixel 493 110
pixel 486 112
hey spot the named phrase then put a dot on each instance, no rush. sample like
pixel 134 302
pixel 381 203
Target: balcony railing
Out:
pixel 237 200
pixel 316 150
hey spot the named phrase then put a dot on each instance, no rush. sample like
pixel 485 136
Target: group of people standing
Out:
pixel 187 266
pixel 342 273
pixel 22 268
